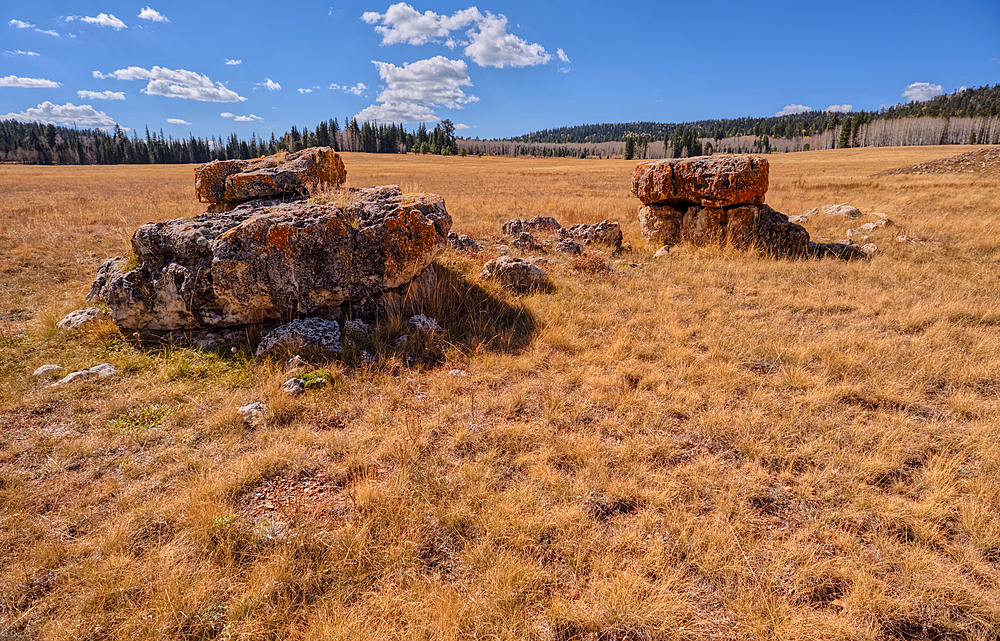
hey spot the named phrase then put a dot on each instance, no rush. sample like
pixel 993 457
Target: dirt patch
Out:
pixel 308 493
pixel 981 161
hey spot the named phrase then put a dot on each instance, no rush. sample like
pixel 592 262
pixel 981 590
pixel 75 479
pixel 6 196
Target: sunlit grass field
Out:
pixel 709 445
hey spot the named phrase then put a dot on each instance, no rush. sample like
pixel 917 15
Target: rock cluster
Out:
pixel 522 233
pixel 713 200
pixel 252 264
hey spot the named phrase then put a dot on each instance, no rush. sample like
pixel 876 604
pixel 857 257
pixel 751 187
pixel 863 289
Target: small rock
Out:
pixel 47 369
pixel 602 233
pixel 798 219
pixel 569 246
pixel 294 386
pixel 806 214
pixel 878 224
pixel 857 234
pixel 525 242
pixel 461 242
pixel 869 249
pixel 517 274
pixel 400 340
pixel 98 371
pixel 847 211
pixel 82 317
pixel 294 363
pixel 357 327
pixel 313 334
pixel 367 357
pixel 457 372
pixel 425 324
pixel 662 252
pixel 538 224
pixel 254 413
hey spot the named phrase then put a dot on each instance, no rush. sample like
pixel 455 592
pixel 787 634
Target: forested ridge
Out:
pixel 970 116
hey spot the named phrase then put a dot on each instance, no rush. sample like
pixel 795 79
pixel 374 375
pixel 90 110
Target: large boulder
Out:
pixel 739 226
pixel 302 173
pixel 267 260
pixel 709 181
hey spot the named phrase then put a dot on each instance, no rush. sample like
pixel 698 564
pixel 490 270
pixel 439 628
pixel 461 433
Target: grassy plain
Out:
pixel 712 445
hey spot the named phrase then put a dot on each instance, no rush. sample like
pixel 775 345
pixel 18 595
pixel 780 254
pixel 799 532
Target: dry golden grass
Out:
pixel 712 445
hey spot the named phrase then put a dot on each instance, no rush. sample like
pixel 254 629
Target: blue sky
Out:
pixel 497 68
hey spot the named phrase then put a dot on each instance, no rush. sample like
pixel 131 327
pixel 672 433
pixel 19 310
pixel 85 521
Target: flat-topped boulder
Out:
pixel 303 173
pixel 709 181
pixel 267 260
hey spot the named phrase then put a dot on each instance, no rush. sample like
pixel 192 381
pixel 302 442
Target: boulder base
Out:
pixel 266 260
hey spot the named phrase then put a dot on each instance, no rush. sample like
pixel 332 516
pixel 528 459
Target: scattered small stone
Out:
pixel 294 386
pixel 457 372
pixel 47 369
pixel 254 414
pixel 847 211
pixel 869 249
pixel 98 371
pixel 878 224
pixel 798 219
pixel 461 242
pixel 294 363
pixel 83 317
pixel 367 357
pixel 517 274
pixel 662 252
pixel 357 327
pixel 525 242
pixel 425 324
pixel 602 233
pixel 538 224
pixel 569 246
pixel 313 334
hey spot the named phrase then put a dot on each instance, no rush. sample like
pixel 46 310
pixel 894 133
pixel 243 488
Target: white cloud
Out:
pixel 178 83
pixel 305 90
pixel 152 14
pixel 20 24
pixel 177 121
pixel 101 19
pixel 959 90
pixel 68 114
pixel 921 91
pixel 843 109
pixel 270 84
pixel 459 126
pixel 48 31
pixel 562 55
pixel 250 118
pixel 101 95
pixel 401 23
pixel 492 46
pixel 27 83
pixel 434 81
pixel 793 109
pixel 233 62
pixel 564 70
pixel 18 52
pixel 489 43
pixel 413 89
pixel 397 112
pixel 357 89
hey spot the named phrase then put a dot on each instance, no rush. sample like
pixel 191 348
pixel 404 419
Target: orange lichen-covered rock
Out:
pixel 266 261
pixel 301 173
pixel 709 181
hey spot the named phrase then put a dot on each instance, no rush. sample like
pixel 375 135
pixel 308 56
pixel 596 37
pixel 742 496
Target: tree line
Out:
pixel 49 144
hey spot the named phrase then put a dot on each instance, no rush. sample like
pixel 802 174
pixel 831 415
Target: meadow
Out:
pixel 709 445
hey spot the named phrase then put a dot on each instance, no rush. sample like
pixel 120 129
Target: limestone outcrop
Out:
pixel 303 173
pixel 713 200
pixel 266 260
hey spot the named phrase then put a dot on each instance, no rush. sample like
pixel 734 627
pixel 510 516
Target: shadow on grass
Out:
pixel 477 319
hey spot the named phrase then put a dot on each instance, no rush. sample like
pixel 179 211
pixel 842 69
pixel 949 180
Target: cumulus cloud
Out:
pixel 492 46
pixel 178 83
pixel 152 14
pixel 18 52
pixel 177 121
pixel 250 118
pixel 270 84
pixel 357 89
pixel 411 91
pixel 68 114
pixel 562 55
pixel 434 81
pixel 397 112
pixel 101 95
pixel 459 126
pixel 233 62
pixel 101 19
pixel 20 24
pixel 489 44
pixel 843 109
pixel 793 109
pixel 921 91
pixel 27 83
pixel 401 23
